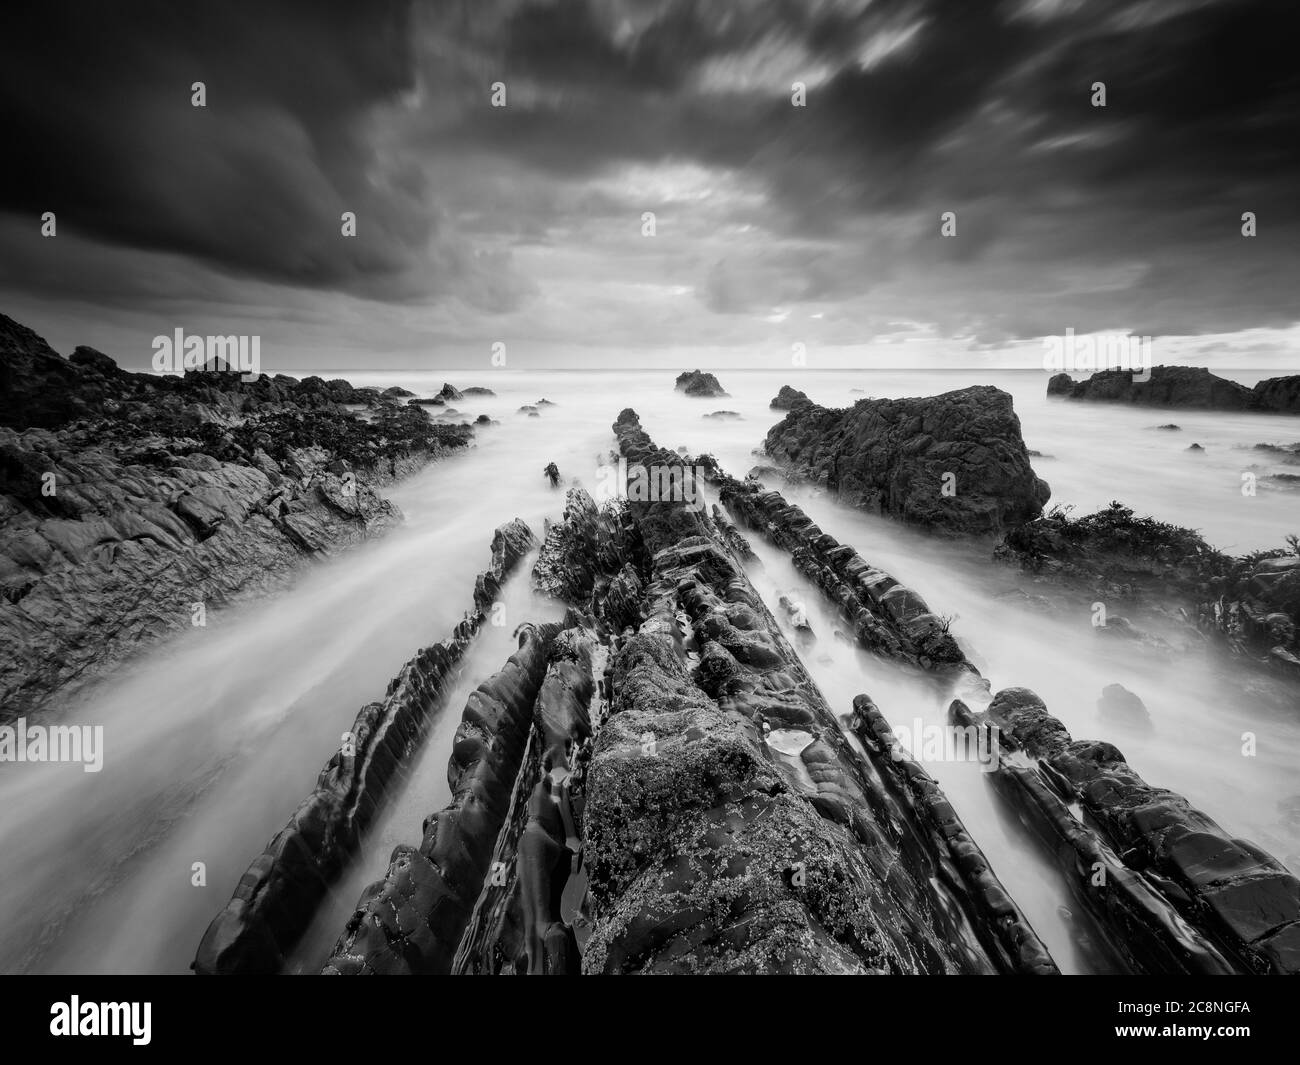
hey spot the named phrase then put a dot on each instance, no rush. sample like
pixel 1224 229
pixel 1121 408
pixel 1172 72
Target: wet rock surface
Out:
pixel 277 897
pixel 711 849
pixel 1228 889
pixel 412 921
pixel 656 784
pixel 884 616
pixel 955 463
pixel 126 500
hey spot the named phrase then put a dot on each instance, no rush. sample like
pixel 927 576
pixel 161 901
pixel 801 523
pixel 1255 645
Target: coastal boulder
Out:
pixel 1061 384
pixel 955 463
pixel 788 398
pixel 699 383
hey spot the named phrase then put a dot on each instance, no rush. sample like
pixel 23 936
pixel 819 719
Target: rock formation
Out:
pixel 412 921
pixel 278 895
pixel 1190 387
pixel 884 617
pixel 1228 890
pixel 954 463
pixel 129 500
pixel 788 398
pixel 699 383
pixel 1250 605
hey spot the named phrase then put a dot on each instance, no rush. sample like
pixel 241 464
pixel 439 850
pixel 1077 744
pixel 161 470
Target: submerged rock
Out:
pixel 1120 706
pixel 954 463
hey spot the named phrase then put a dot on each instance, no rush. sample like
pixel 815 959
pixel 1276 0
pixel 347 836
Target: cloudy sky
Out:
pixel 774 224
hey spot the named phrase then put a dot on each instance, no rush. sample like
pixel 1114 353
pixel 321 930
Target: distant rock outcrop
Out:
pixel 699 383
pixel 1189 387
pixel 788 398
pixel 1060 384
pixel 955 463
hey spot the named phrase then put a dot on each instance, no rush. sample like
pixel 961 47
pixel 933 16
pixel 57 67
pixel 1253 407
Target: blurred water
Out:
pixel 214 738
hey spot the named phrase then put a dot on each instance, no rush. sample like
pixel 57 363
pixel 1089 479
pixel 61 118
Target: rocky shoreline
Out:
pixel 134 505
pixel 656 783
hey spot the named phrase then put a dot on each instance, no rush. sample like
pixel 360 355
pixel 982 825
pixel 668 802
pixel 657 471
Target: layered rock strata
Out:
pixel 277 897
pixel 1240 903
pixel 412 921
pixel 133 505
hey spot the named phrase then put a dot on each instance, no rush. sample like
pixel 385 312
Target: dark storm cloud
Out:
pixel 924 106
pixel 1068 215
pixel 95 104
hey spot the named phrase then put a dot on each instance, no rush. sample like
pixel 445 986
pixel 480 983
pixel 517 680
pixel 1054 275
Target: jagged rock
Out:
pixel 200 488
pixel 1191 387
pixel 623 599
pixel 886 618
pixel 535 921
pixel 412 921
pixel 1134 927
pixel 579 553
pixel 699 383
pixel 1228 888
pixel 1002 926
pixel 954 463
pixel 1112 554
pixel 788 398
pixel 450 392
pixel 277 897
pixel 709 849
